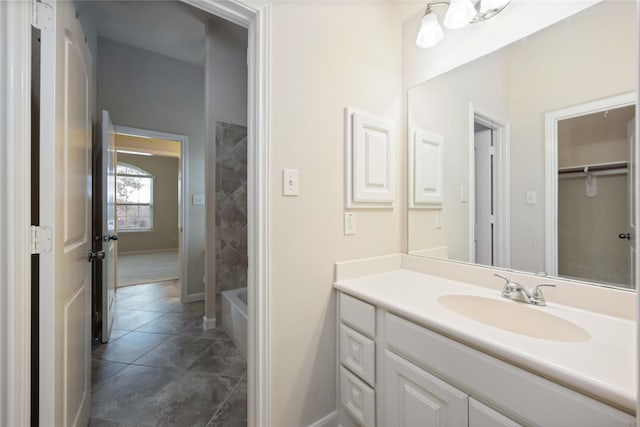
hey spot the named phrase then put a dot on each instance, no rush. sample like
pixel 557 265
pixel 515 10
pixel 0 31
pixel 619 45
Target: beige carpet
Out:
pixel 134 269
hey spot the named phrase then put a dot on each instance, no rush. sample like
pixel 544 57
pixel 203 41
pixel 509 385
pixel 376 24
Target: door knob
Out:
pixel 112 237
pixel 97 255
pixel 624 236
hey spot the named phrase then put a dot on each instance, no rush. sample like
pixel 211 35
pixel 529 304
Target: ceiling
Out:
pixel 168 28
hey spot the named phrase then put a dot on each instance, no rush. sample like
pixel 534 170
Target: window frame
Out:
pixel 145 174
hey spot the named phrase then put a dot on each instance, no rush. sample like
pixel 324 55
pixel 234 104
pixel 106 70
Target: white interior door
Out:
pixel 65 206
pixel 631 175
pixel 484 197
pixel 109 237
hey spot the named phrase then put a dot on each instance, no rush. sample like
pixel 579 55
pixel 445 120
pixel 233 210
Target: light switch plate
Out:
pixel 198 199
pixel 349 223
pixel 290 183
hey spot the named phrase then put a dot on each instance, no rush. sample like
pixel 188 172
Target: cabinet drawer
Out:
pixel 357 353
pixel 358 314
pixel 357 398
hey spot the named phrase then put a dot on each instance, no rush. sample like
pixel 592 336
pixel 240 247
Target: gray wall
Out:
pixel 150 91
pixel 226 89
pixel 165 205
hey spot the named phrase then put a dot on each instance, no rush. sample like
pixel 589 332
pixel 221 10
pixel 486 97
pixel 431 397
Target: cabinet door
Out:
pixel 415 398
pixel 481 415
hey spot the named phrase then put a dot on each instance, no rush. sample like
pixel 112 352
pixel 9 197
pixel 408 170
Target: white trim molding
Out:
pixel 15 213
pixel 551 166
pixel 208 323
pixel 199 296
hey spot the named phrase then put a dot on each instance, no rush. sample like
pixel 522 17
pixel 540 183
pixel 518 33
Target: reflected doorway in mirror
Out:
pixel 588 143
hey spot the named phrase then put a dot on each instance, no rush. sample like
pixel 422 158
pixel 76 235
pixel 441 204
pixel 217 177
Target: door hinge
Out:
pixel 42 17
pixel 492 151
pixel 492 219
pixel 41 240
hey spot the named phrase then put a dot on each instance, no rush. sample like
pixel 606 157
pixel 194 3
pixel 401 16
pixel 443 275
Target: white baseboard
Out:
pixel 329 420
pixel 148 251
pixel 208 323
pixel 194 297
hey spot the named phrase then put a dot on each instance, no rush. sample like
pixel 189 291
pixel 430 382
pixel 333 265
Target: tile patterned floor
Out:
pixel 160 367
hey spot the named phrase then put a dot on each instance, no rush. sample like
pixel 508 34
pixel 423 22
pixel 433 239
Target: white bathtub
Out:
pixel 234 317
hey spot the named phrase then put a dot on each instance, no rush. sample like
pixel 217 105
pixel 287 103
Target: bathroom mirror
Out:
pixel 521 159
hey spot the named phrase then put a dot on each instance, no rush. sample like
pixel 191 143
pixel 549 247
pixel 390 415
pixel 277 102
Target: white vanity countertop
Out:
pixel 603 367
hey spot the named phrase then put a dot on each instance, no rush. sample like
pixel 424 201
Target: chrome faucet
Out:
pixel 516 292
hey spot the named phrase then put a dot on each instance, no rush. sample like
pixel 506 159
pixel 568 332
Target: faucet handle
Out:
pixel 537 296
pixel 508 285
pixel 502 277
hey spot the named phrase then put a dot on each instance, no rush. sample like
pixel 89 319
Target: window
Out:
pixel 134 204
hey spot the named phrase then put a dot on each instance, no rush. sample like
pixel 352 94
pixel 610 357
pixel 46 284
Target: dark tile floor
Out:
pixel 160 368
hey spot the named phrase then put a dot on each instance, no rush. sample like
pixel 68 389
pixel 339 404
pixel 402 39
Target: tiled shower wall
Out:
pixel 231 208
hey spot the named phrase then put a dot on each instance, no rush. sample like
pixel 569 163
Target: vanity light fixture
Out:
pixel 459 14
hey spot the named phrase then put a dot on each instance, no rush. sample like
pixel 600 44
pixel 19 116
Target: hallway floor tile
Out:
pixel 161 368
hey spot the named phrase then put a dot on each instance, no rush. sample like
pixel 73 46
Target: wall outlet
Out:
pixel 349 223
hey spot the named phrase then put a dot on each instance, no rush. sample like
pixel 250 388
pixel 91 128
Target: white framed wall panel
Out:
pixel 369 161
pixel 426 177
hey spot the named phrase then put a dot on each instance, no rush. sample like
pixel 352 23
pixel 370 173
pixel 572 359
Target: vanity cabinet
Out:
pixel 397 373
pixel 481 415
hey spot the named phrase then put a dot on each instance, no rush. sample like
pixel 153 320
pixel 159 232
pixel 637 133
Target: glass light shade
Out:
pixel 459 14
pixel 430 32
pixel 486 5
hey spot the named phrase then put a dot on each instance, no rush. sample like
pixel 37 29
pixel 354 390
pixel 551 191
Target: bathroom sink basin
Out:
pixel 515 317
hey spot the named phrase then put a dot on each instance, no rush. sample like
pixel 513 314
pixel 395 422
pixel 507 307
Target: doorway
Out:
pixel 161 342
pixel 590 156
pixel 489 242
pixel 153 226
pixel 485 214
pixel 255 18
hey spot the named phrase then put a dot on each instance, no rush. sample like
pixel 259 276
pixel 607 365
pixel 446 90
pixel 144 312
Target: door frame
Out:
pixel 15 262
pixel 502 142
pixel 15 212
pixel 551 120
pixel 183 207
